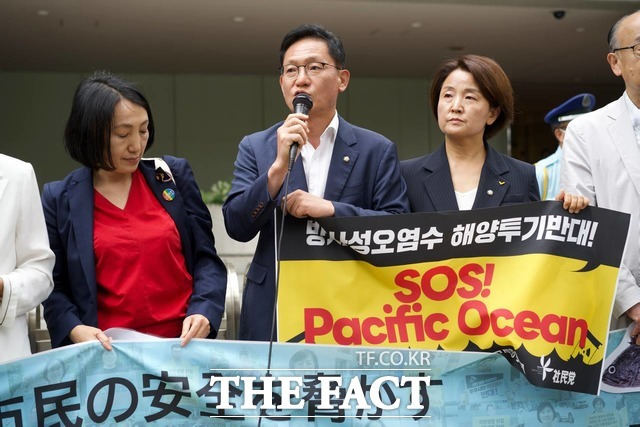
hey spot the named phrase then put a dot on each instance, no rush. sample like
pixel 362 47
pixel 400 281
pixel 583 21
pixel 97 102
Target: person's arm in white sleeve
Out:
pixel 31 281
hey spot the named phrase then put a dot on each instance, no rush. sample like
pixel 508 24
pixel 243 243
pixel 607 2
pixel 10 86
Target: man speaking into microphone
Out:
pixel 340 170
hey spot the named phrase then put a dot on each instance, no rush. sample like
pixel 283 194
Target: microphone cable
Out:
pixel 277 283
pixel 302 103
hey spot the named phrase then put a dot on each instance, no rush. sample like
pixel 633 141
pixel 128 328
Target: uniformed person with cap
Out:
pixel 548 169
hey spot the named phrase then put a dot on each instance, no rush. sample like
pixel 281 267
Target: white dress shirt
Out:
pixel 634 113
pixel 316 161
pixel 466 199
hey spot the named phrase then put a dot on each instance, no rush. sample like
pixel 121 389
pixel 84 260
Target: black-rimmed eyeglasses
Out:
pixel 312 69
pixel 635 49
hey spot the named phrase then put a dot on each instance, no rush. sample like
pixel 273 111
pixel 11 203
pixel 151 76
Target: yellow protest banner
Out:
pixel 530 281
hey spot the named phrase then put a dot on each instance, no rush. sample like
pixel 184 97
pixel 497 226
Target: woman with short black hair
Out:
pixel 132 236
pixel 472 100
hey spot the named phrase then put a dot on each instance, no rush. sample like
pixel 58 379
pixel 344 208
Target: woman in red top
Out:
pixel 132 237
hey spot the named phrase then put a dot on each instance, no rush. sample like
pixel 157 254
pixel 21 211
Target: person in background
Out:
pixel 132 236
pixel 304 362
pixel 343 170
pixel 601 161
pixel 548 169
pixel 25 258
pixel 54 371
pixel 598 404
pixel 546 414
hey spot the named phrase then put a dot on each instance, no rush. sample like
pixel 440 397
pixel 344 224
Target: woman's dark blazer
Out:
pixel 68 210
pixel 503 181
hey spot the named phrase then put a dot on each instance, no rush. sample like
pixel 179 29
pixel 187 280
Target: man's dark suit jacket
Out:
pixel 364 179
pixel 68 210
pixel 503 181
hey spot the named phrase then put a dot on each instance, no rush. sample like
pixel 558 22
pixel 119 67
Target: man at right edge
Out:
pixel 602 161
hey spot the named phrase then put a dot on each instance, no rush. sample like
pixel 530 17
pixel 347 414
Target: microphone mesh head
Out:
pixel 302 103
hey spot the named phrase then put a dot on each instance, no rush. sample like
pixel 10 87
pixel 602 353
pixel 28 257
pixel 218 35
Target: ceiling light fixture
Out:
pixel 416 24
pixel 238 19
pixel 43 12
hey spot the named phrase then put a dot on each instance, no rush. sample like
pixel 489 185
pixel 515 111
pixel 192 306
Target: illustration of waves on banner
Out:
pixel 551 371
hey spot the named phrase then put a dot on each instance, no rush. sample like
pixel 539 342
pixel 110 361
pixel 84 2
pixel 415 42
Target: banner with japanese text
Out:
pixel 225 383
pixel 531 281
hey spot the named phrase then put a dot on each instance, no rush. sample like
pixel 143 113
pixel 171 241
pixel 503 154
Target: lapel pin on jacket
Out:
pixel 490 193
pixel 162 176
pixel 168 194
pixel 346 159
pixel 502 182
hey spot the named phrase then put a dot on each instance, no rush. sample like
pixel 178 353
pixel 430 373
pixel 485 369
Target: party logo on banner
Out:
pixel 529 281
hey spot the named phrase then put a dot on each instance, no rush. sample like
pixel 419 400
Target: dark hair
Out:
pixel 544 405
pixel 491 80
pixel 88 132
pixel 315 31
pixel 559 125
pixel 303 354
pixel 612 36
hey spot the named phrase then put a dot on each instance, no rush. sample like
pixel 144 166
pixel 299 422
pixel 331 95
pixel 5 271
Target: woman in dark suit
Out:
pixel 132 236
pixel 472 99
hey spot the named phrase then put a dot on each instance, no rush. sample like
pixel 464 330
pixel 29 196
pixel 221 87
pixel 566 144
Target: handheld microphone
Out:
pixel 302 103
